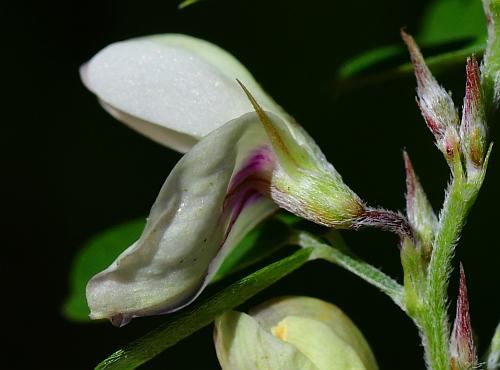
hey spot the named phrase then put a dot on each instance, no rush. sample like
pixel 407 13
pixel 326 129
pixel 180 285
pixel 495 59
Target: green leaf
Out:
pixel 187 3
pixel 97 254
pixel 369 59
pixel 445 21
pixel 202 313
pixel 437 63
pixel 451 30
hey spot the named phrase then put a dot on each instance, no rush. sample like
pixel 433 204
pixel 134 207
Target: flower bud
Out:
pixel 462 348
pixel 435 103
pixel 473 130
pixel 291 333
pixel 420 214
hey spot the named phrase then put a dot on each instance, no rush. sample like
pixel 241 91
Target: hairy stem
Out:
pixel 432 317
pixel 434 320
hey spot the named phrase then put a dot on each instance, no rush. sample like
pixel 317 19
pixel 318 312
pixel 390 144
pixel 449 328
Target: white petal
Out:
pixel 242 344
pixel 188 232
pixel 174 83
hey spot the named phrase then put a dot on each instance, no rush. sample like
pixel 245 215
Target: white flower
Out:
pixel 241 164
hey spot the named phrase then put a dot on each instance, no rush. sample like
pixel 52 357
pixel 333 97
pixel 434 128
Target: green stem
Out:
pixel 432 317
pixel 364 270
pixel 340 255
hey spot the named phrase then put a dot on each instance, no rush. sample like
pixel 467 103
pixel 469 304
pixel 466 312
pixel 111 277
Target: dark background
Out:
pixel 73 171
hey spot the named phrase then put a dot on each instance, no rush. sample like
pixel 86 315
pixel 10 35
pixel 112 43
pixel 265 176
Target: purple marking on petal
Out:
pixel 250 196
pixel 248 184
pixel 261 161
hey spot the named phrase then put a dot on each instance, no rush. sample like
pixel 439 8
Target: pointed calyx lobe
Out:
pixel 462 348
